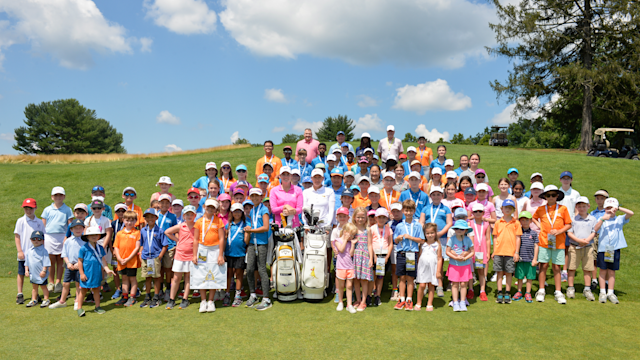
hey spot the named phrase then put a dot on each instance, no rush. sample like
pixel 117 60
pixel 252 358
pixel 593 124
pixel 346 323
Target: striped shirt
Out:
pixel 528 239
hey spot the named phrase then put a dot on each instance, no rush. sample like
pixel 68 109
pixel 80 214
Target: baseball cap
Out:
pixel 189 208
pixel 396 206
pixel 164 180
pixel 212 202
pixel 115 208
pixel 436 171
pixel 470 190
pixel 236 206
pixel 364 178
pixel 255 191
pixel 337 151
pixel 582 199
pixel 363 159
pixel 365 135
pixel 457 203
pixel 525 214
pixel 389 174
pixel 343 210
pixel 509 202
pixel 151 211
pixel 512 170
pixel 348 193
pixel 448 162
pixel 371 213
pixel 349 173
pixel 130 188
pixel 211 165
pixel 344 144
pixel 536 174
pixel 412 148
pixel 414 174
pixel 306 179
pixel 566 173
pixel 351 152
pixel 482 187
pixel 337 172
pixel 317 172
pixel 477 207
pixel 37 235
pixel 75 223
pixel 247 202
pixel 374 189
pixel 537 185
pixel 391 157
pixel 285 169
pixel 225 163
pixel 177 202
pixel 224 197
pixel 332 157
pixel 376 157
pixel 241 167
pixel 391 128
pixel 295 171
pixel 354 187
pixel 435 189
pixel 451 175
pixel 402 156
pixel 382 212
pixel 57 190
pixel 164 197
pixel 244 183
pixel 480 171
pixel 97 204
pixel 101 198
pixel 340 133
pixel 238 191
pixel 86 208
pixel 416 162
pixel 97 188
pixel 266 199
pixel 286 148
pixel 262 178
pixel 460 212
pixel 267 163
pixel 29 202
pixel 320 165
pixel 368 150
pixel 611 202
pixel 599 192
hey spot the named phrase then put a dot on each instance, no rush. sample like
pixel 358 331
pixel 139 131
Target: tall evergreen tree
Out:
pixel 331 126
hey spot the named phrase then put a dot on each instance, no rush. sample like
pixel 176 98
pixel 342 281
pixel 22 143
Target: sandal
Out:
pixel 429 308
pixel 417 307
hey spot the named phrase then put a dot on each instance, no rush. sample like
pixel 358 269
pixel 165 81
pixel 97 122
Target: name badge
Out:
pixel 380 263
pixel 151 270
pixel 411 261
pixel 609 255
pixel 478 262
pixel 551 241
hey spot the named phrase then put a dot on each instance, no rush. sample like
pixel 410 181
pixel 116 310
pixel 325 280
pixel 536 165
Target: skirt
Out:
pixel 457 273
pixel 53 243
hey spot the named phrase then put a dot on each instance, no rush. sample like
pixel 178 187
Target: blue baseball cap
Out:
pixel 566 173
pixel 512 170
pixel 348 193
pixel 247 202
pixel 306 179
pixel 151 211
pixel 355 187
pixel 344 144
pixel 241 167
pixel 340 133
pixel 337 171
pixel 75 223
pixel 509 202
pixel 470 190
pixel 37 235
pixel 263 178
pixel 460 212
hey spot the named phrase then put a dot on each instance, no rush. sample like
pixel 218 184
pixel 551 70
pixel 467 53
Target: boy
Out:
pixel 600 196
pixel 36 267
pixel 611 241
pixel 70 251
pixel 321 158
pixel 349 178
pixel 337 186
pixel 287 160
pixel 506 248
pixel 305 168
pixel 25 226
pixel 512 174
pixel 526 266
pixel 414 193
pixel 165 221
pixel 408 236
pixel 580 250
pixel 396 218
pixel 257 240
pixel 126 247
pixel 388 195
pixel 411 156
pixel 362 199
pixel 247 206
pixel 80 211
pixel 56 217
pixel 554 221
pixel 97 220
pixel 535 177
pixel 117 225
pixel 98 192
pixel 176 207
pixel 154 245
pixel 362 169
pixel 306 182
pixel 263 184
pixel 129 195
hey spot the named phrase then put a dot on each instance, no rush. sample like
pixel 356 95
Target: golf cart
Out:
pixel 601 147
pixel 498 138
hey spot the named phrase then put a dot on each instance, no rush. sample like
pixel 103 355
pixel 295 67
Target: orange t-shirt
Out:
pixel 211 227
pixel 504 236
pixel 545 225
pixel 275 162
pixel 138 210
pixel 360 201
pixel 386 199
pixel 423 155
pixel 126 243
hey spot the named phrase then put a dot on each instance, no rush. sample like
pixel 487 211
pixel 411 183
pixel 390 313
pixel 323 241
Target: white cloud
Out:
pixel 302 124
pixel 7 137
pixel 432 95
pixel 172 148
pixel 145 44
pixel 432 135
pixel 278 129
pixel 510 114
pixel 367 123
pixel 69 30
pixel 366 101
pixel 165 117
pixel 182 16
pixel 417 32
pixel 275 95
pixel 234 137
pixel 505 117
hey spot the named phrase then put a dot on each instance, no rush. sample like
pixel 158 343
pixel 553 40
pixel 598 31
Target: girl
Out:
pixel 183 256
pixel 439 161
pixel 401 184
pixel 91 264
pixel 489 208
pixel 225 205
pixel 381 239
pixel 534 203
pixel 474 163
pixel 436 179
pixel 376 180
pixel 503 185
pixel 518 193
pixel 241 173
pixel 235 254
pixel 165 184
pixel 365 143
pixel 460 251
pixel 450 194
pixel 210 174
pixel 429 266
pixel 345 246
pixel 424 155
pixel 371 215
pixel 481 244
pixel 343 217
pixel 209 237
pixel 465 183
pixel 362 258
pixel 481 178
pixel 227 177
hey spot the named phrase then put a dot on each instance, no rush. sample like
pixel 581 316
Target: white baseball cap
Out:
pixel 482 186
pixel 391 128
pixel 451 175
pixel 349 173
pixel 164 180
pixel 396 206
pixel 382 212
pixel 255 191
pixel 389 174
pixel 537 185
pixel 392 157
pixel 436 170
pixel 225 163
pixel 85 208
pixel 236 206
pixel 374 189
pixel 582 199
pixel 212 202
pixel 318 172
pixel 365 135
pixel 536 174
pixel 412 148
pixel 295 171
pixel 364 178
pixel 477 207
pixel 414 174
pixel 101 198
pixel 58 190
pixel 448 162
pixel 435 189
pixel 331 157
pixel 368 150
pixel 177 202
pixel 129 188
pixel 211 165
pixel 118 207
pixel 285 169
pixel 611 202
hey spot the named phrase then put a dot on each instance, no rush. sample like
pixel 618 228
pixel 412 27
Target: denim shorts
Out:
pixel 401 266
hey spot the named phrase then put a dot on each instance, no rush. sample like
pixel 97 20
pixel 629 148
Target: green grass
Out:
pixel 297 329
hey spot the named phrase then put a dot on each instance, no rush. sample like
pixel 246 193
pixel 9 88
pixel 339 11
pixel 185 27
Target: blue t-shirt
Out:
pixel 459 171
pixel 407 168
pixel 306 171
pixel 435 163
pixel 458 247
pixel 36 259
pixel 165 222
pixel 319 160
pixel 413 229
pixel 440 213
pixel 106 212
pixel 256 215
pixel 420 198
pixel 291 163
pixel 57 219
pixel 235 241
pixel 71 249
pixel 152 244
pixel 338 193
pixel 611 235
pixel 91 265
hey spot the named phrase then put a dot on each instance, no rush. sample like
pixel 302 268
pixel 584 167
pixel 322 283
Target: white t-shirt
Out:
pixel 570 198
pixel 103 222
pixel 323 200
pixel 24 228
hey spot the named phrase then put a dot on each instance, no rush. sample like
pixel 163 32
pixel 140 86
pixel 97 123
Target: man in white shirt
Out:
pixel 389 145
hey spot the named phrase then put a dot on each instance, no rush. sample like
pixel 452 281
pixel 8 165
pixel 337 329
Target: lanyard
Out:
pixel 546 209
pixel 479 236
pixel 417 198
pixel 289 162
pixel 95 251
pixel 240 226
pixel 149 240
pixel 390 143
pixel 163 219
pixel 407 228
pixel 204 223
pixel 225 183
pixel 384 233
pixel 422 152
pixel 132 205
pixel 254 219
pixel 431 211
pixel 387 198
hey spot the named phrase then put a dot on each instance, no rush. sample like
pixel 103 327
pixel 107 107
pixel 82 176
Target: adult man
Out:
pixel 389 145
pixel 268 158
pixel 341 139
pixel 308 143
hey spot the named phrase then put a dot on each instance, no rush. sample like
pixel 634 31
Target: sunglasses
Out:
pixel 97 188
pixel 480 176
pixel 120 211
pixel 96 208
pixel 552 195
pixel 37 240
pixel 241 171
pixel 226 167
pixel 194 197
pixel 129 194
pixel 478 211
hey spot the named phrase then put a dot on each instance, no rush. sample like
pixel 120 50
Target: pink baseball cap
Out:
pixel 224 197
pixel 343 210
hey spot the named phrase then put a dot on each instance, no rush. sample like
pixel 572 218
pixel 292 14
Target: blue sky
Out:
pixel 188 74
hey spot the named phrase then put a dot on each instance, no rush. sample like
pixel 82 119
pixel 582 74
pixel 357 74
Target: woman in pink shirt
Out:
pixel 286 199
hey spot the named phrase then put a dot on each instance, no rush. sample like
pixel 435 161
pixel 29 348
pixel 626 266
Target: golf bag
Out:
pixel 315 277
pixel 285 270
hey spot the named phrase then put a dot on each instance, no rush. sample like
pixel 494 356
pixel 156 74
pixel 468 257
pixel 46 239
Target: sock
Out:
pixel 564 271
pixel 402 299
pixel 557 292
pixel 126 296
pixel 603 291
pixel 395 289
pixel 610 292
pixel 20 294
pixel 238 292
pixel 409 299
pixel 481 291
pixel 253 295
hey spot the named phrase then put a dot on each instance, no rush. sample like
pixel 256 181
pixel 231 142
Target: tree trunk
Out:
pixel 585 132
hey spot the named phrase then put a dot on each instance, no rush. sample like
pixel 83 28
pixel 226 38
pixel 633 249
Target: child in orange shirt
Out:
pixel 388 195
pixel 125 249
pixel 506 247
pixel 129 194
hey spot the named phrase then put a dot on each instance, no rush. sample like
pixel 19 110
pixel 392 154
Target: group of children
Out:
pixel 410 234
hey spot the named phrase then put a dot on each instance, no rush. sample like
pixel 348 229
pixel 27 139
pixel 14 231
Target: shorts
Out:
pixel 555 256
pixel 504 264
pixel 71 276
pixel 595 246
pixel 131 272
pixel 167 259
pixel 457 273
pixel 615 265
pixel 392 258
pixel 236 262
pixel 44 283
pixel 345 274
pixel 21 267
pixel 584 256
pixel 525 270
pixel 181 266
pixel 156 267
pixel 53 243
pixel 401 265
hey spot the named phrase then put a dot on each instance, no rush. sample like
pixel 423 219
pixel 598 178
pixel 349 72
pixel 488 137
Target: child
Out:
pixel 129 195
pixel 126 248
pixel 481 244
pixel 371 215
pixel 344 248
pixel 165 184
pixel 239 196
pixel 225 208
pixel 91 266
pixel 166 220
pixel 429 266
pixel 226 178
pixel 489 209
pixel 526 266
pixel 512 174
pixel 504 186
pixel 36 267
pixel 438 163
pixel 184 255
pixel 97 193
pixel 97 220
pixel 176 208
pixel 436 179
pixel 80 212
pixel 117 225
pixel 569 200
pixel 481 178
pixel 342 218
pixel 460 251
pixel 414 193
pixel 241 172
pixel 580 250
pixel 460 214
pixel 506 248
pixel 25 226
pixel 396 218
pixel 362 258
pixel 209 237
pixel 535 201
pixel 409 236
pixel 388 195
pixel 236 251
pixel 437 213
pixel 154 246
pixel 56 217
pixel 600 196
pixel 257 239
pixel 611 241
pixel 554 221
pixel 382 243
pixel 193 196
pixel 154 205
pixel 247 206
pixel 70 252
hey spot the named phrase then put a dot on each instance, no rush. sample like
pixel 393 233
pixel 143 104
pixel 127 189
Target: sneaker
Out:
pixel 243 294
pixel 336 299
pixel 170 304
pixel 20 299
pixel 559 296
pixel 564 276
pixel 146 302
pixel 588 294
pixel 155 302
pixel 50 287
pixel 167 295
pixel 440 291
pixel 106 288
pixel 80 312
pixel 540 296
pixel 470 294
pixel 138 293
pixel 196 294
pixel 117 294
pixel 130 302
pixel 237 302
pixel 211 306
pixel 58 305
pixel 377 301
pixel 362 306
pixel 183 304
pixel 252 301
pixel 400 305
pixel 203 306
pixel 594 285
pixel 517 296
pixel 265 304
pixel 449 287
pixel 226 301
pixel 571 292
pixel 408 305
pixel 368 302
pixel 351 309
pixel 463 306
pixel 528 298
pixel 98 310
pixel 121 302
pixel 32 303
pixel 47 302
pixel 456 306
pixel 602 298
pixel 483 296
pixel 394 296
pixel 89 299
pixel 218 296
pixel 611 297
pixel 507 298
pixel 494 277
pixel 57 288
pixel 500 298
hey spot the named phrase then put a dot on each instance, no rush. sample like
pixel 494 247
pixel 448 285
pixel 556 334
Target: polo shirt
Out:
pixel 275 162
pixel 256 219
pixel 37 258
pixel 420 198
pixel 210 229
pixel 437 164
pixel 24 228
pixel 597 213
pixel 57 218
pixel 570 198
pixel 311 147
pixel 125 242
pixel 337 146
pixel 236 246
pixel 413 229
pixel 582 228
pixel 528 241
pixel 165 222
pixel 504 236
pixel 440 213
pixel 152 241
pixel 611 235
pixel 386 148
pixel 71 249
pixel 386 199
pixel 423 155
pixel 546 226
pixel 319 159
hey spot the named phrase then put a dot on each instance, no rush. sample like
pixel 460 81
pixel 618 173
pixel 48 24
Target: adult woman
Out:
pixel 365 142
pixel 286 199
pixel 210 173
pixel 227 177
pixel 439 161
pixel 424 154
pixel 374 174
pixel 465 182
pixel 241 172
pixel 323 199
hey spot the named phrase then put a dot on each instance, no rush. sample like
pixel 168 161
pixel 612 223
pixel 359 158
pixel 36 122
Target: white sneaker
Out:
pixel 75 306
pixel 57 288
pixel 211 306
pixel 571 292
pixel 613 298
pixel 494 277
pixel 504 279
pixel 340 306
pixel 559 296
pixel 50 287
pixel 540 296
pixel 394 296
pixel 203 306
pixel 57 305
pixel 351 309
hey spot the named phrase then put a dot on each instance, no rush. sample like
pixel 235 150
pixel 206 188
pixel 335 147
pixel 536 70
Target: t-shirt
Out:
pixel 116 225
pixel 152 242
pixel 57 218
pixel 597 213
pixel 24 228
pixel 256 222
pixel 102 223
pixel 37 258
pixel 458 247
pixel 360 201
pixel 528 241
pixel 210 230
pixel 107 212
pixel 126 243
pixel 582 228
pixel 423 155
pixel 388 198
pixel 570 198
pixel 235 241
pixel 419 197
pixel 165 222
pixel 311 147
pixel 504 236
pixel 488 208
pixel 184 247
pixel 543 214
pixel 71 249
pixel 138 211
pixel 381 239
pixel 439 213
pixel 611 235
pixel 343 259
pixel 412 229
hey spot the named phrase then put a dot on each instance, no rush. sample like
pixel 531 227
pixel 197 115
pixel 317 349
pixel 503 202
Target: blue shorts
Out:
pixel 401 265
pixel 71 276
pixel 44 283
pixel 615 265
pixel 21 268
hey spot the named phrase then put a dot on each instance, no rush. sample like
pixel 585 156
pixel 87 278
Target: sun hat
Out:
pixel 75 223
pixel 116 208
pixel 582 199
pixel 537 185
pixel 189 208
pixel 463 225
pixel 164 180
pixel 448 162
pixel 343 210
pixel 285 169
pixel 317 172
pixel 57 190
pixel 151 211
pixel 396 206
pixel 236 206
pixel 255 191
pixel 177 202
pixel 241 167
pixel 211 165
pixel 536 174
pixel 599 192
pixel 29 202
pixel 550 188
pixel 611 202
pixel 436 171
pixel 525 214
pixel 37 235
pixel 130 188
pixel 224 197
pixel 86 208
pixel 164 197
pixel 566 173
pixel 212 202
pixel 482 187
pixel 93 230
pixel 382 212
pixel 477 207
pixel 509 202
pixel 374 189
pixel 460 212
pixel 512 170
pixel 414 174
pixel 435 189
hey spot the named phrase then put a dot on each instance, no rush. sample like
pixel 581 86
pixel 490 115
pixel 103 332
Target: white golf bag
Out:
pixel 285 269
pixel 315 277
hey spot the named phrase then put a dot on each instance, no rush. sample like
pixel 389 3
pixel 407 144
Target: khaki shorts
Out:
pixel 595 245
pixel 167 259
pixel 156 268
pixel 584 256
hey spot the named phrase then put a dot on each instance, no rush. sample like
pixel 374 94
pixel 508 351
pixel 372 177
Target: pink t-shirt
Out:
pixel 479 239
pixel 311 147
pixel 343 259
pixel 488 208
pixel 184 246
pixel 279 198
pixel 381 239
pixel 490 192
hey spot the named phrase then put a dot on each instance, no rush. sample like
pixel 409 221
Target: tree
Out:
pixel 459 139
pixel 241 141
pixel 291 138
pixel 410 138
pixel 66 127
pixel 581 50
pixel 331 126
